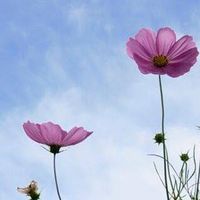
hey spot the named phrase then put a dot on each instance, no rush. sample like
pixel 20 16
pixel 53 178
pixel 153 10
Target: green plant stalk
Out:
pixel 55 176
pixel 198 180
pixel 164 145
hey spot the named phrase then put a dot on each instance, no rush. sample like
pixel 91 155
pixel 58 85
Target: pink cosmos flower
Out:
pixel 52 135
pixel 160 53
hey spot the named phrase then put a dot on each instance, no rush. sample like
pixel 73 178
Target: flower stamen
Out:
pixel 160 61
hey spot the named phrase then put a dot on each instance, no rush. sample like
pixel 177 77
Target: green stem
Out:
pixel 198 180
pixel 55 176
pixel 164 145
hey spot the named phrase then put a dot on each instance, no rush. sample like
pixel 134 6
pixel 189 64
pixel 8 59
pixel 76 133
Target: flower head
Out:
pixel 160 53
pixel 31 190
pixel 52 135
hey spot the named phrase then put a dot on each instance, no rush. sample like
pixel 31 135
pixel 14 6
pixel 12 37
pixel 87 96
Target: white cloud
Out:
pixel 55 62
pixel 77 15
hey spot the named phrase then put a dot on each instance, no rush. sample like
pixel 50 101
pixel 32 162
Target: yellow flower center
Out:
pixel 160 61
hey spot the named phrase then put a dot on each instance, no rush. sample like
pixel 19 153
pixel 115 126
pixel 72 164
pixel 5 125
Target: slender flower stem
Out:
pixel 198 179
pixel 164 145
pixel 55 177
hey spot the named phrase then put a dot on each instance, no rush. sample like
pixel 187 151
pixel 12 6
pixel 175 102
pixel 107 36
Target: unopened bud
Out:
pixel 184 157
pixel 159 138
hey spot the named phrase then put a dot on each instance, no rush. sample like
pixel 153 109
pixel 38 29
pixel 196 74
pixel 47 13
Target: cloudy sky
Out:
pixel 65 62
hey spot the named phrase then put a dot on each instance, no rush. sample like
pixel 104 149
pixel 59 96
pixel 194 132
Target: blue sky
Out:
pixel 65 61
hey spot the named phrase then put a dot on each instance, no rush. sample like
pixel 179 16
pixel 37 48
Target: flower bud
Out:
pixel 184 157
pixel 159 138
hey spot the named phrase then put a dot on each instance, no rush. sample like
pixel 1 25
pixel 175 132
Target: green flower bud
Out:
pixel 159 138
pixel 184 157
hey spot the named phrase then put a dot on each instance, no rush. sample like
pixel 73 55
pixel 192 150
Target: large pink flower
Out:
pixel 160 53
pixel 52 135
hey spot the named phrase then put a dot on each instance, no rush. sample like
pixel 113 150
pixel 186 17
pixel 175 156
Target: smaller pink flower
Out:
pixel 52 135
pixel 160 53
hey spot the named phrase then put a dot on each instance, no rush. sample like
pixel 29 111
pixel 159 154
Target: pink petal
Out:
pixel 75 136
pixel 143 65
pixel 139 54
pixel 178 69
pixel 153 70
pixel 33 132
pixel 147 67
pixel 183 44
pixel 135 48
pixel 69 135
pixel 164 41
pixel 52 133
pixel 147 38
pixel 182 63
pixel 188 56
